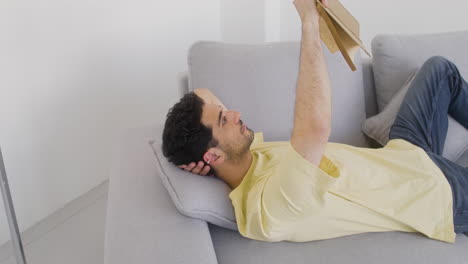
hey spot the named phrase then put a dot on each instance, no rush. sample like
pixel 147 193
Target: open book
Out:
pixel 339 30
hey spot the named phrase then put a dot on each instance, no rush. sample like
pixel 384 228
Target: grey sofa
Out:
pixel 144 226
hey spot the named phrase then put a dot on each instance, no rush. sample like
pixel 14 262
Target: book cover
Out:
pixel 339 30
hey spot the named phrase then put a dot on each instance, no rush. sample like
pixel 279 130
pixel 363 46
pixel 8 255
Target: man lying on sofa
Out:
pixel 310 189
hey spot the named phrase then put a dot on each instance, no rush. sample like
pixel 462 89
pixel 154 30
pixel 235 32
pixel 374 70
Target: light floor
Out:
pixel 73 234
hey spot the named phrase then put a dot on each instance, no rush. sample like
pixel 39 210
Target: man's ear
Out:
pixel 214 156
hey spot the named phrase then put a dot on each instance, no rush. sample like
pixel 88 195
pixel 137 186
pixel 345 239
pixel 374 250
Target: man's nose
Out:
pixel 236 116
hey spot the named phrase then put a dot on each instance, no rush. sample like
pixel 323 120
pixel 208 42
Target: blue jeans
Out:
pixel 437 90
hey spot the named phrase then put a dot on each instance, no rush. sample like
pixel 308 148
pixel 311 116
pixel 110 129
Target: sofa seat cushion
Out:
pixel 380 247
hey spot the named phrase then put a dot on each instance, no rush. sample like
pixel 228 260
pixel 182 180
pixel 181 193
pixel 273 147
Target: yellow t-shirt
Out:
pixel 284 197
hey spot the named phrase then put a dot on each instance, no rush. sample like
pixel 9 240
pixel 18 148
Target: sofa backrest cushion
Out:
pixel 259 80
pixel 395 57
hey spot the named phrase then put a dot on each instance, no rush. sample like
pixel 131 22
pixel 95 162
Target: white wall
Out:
pixel 389 17
pixel 75 74
pixel 242 21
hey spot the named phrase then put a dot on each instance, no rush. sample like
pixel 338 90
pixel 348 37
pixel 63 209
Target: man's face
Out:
pixel 227 129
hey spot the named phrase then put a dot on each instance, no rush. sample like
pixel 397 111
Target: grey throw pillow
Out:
pixel 378 127
pixel 202 197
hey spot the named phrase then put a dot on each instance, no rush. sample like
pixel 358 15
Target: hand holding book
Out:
pixel 339 30
pixel 307 10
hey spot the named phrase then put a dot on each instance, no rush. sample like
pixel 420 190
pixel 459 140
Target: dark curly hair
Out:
pixel 185 138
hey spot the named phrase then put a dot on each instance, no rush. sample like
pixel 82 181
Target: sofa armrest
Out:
pixel 142 223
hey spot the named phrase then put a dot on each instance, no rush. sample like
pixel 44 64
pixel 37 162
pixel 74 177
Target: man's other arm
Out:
pixel 312 113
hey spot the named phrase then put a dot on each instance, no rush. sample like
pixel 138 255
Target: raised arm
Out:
pixel 312 113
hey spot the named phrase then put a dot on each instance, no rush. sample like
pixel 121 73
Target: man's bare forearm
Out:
pixel 312 113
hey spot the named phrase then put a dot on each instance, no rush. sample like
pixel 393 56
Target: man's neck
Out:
pixel 234 172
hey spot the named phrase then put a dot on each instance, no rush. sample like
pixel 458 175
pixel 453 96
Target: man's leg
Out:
pixel 438 89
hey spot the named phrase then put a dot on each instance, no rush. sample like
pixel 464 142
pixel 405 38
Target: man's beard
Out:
pixel 236 155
